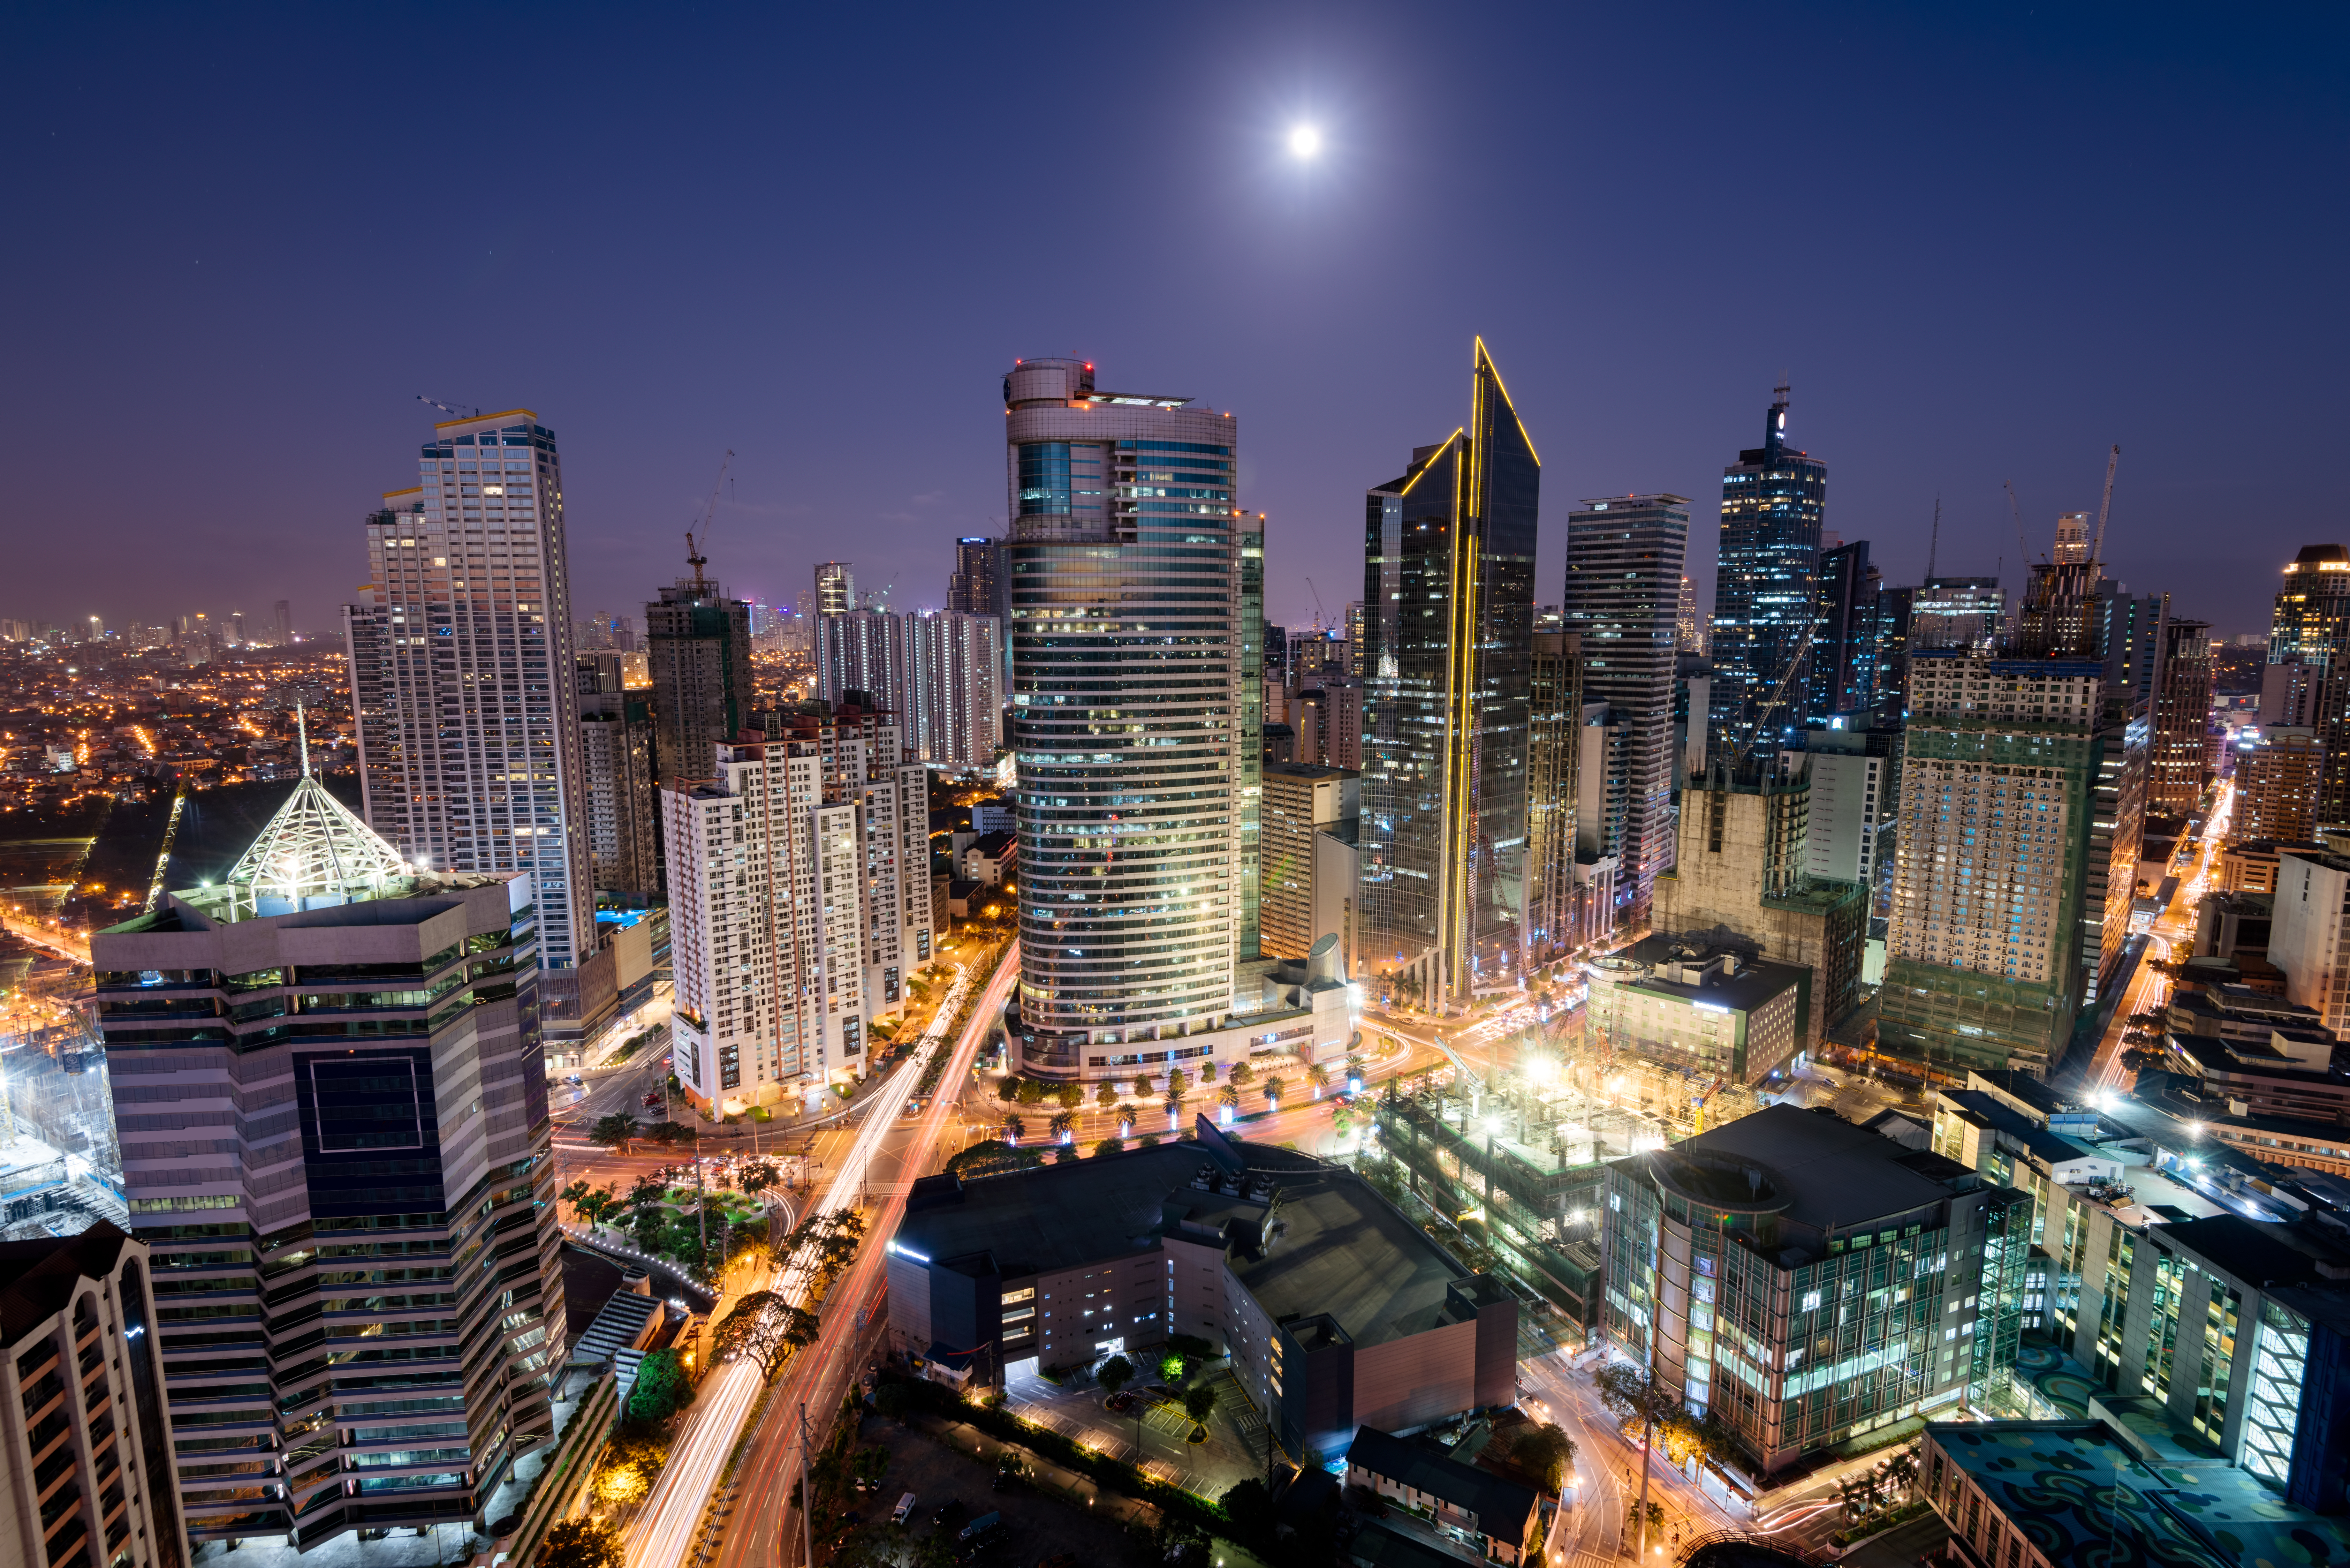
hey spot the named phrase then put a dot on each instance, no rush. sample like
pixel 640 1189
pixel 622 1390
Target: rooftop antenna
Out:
pixel 1934 544
pixel 302 731
pixel 2113 461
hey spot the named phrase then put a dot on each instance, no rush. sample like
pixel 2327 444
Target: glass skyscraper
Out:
pixel 1448 630
pixel 1772 499
pixel 1125 584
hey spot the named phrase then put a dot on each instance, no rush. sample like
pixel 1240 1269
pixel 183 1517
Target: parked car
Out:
pixel 574 1078
pixel 980 1526
pixel 904 1511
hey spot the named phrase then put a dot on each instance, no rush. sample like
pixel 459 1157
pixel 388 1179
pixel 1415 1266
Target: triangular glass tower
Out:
pixel 313 855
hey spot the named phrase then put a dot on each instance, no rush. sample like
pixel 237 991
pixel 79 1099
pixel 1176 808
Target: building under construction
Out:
pixel 61 1167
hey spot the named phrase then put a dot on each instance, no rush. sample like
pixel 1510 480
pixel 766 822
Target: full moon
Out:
pixel 1304 142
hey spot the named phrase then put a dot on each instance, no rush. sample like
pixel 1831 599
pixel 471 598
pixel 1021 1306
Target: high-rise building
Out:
pixel 1738 1250
pixel 2129 640
pixel 1354 639
pixel 956 666
pixel 1772 499
pixel 697 650
pixel 1956 612
pixel 1248 767
pixel 1844 648
pixel 616 749
pixel 1124 582
pixel 2182 714
pixel 1688 638
pixel 374 1230
pixel 976 585
pixel 2279 771
pixel 281 616
pixel 1553 756
pixel 2310 940
pixel 1624 557
pixel 865 652
pixel 462 692
pixel 2311 628
pixel 835 588
pixel 799 902
pixel 1448 583
pixel 1991 910
pixel 1301 802
pixel 90 1466
pixel 236 637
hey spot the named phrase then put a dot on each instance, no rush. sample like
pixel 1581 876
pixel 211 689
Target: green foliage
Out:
pixel 1178 1083
pixel 1109 1146
pixel 1065 1154
pixel 1107 1096
pixel 1143 1087
pixel 1249 1505
pixel 891 1400
pixel 1172 1368
pixel 759 1175
pixel 1071 1095
pixel 581 1543
pixel 1545 1453
pixel 661 1388
pixel 1208 1071
pixel 667 1133
pixel 1148 1140
pixel 1115 1374
pixel 1032 1092
pixel 616 1131
pixel 1243 1074
pixel 1013 1127
pixel 1199 1402
pixel 1008 1091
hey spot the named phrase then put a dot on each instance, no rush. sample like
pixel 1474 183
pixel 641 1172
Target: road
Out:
pixel 1607 1476
pixel 875 1164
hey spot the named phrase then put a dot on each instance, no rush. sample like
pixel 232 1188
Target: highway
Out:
pixel 883 1155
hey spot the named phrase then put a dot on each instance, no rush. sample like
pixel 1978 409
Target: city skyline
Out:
pixel 2016 371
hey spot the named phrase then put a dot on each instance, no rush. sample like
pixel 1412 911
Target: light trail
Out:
pixel 662 1534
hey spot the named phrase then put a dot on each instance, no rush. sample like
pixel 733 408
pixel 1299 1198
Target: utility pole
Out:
pixel 1648 1395
pixel 807 1498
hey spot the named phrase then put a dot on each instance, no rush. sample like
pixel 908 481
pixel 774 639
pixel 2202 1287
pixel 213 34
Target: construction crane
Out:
pixel 693 555
pixel 1321 620
pixel 1934 540
pixel 2113 461
pixel 452 413
pixel 2016 509
pixel 1779 692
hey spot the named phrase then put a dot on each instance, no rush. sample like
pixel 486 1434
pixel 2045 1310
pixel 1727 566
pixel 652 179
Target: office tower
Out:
pixel 2120 747
pixel 1354 639
pixel 616 752
pixel 1686 638
pixel 357 1128
pixel 1819 1213
pixel 1124 578
pixel 1956 612
pixel 835 588
pixel 1771 500
pixel 1844 648
pixel 1301 801
pixel 976 585
pixel 463 692
pixel 786 955
pixel 1624 559
pixel 1700 1007
pixel 698 650
pixel 956 663
pixel 235 629
pixel 1991 907
pixel 2129 641
pixel 2182 713
pixel 1889 665
pixel 2310 940
pixel 1248 767
pixel 1448 583
pixel 81 1365
pixel 2277 775
pixel 865 657
pixel 2311 628
pixel 1327 720
pixel 281 616
pixel 2288 695
pixel 1553 756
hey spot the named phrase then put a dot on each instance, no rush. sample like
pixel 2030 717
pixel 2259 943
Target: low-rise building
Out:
pixel 1337 1310
pixel 1501 1518
pixel 992 858
pixel 1807 1282
pixel 1717 1013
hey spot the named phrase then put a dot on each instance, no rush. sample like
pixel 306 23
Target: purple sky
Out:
pixel 1985 242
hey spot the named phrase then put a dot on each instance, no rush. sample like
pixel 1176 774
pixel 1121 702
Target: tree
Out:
pixel 1013 1128
pixel 991 1158
pixel 1249 1505
pixel 1274 1089
pixel 575 1192
pixel 581 1543
pixel 1243 1073
pixel 1208 1071
pixel 661 1389
pixel 1107 1096
pixel 646 1225
pixel 1545 1453
pixel 1063 1126
pixel 1032 1092
pixel 2141 1059
pixel 1071 1096
pixel 1229 1095
pixel 1111 1144
pixel 647 1191
pixel 1143 1087
pixel 1318 1076
pixel 892 1401
pixel 1115 1374
pixel 1199 1403
pixel 670 1132
pixel 615 1132
pixel 761 1327
pixel 759 1175
pixel 1008 1091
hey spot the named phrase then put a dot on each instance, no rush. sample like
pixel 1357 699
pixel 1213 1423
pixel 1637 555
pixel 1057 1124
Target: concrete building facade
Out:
pixel 616 756
pixel 1301 802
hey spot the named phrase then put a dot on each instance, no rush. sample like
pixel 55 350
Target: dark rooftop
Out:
pixel 1502 1506
pixel 2259 1254
pixel 40 1275
pixel 1827 1173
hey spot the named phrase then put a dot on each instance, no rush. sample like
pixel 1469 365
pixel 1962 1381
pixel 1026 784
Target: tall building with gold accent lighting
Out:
pixel 1448 634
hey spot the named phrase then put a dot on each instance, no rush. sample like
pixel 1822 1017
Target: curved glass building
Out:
pixel 1124 589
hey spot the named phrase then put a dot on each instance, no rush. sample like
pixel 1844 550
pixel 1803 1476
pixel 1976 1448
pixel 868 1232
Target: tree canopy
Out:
pixel 616 1131
pixel 581 1543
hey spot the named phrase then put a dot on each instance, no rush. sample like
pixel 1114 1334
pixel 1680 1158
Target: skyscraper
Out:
pixel 1843 649
pixel 1686 638
pixel 1301 801
pixel 1248 766
pixel 1124 583
pixel 371 1224
pixel 866 652
pixel 976 585
pixel 835 588
pixel 463 690
pixel 2182 715
pixel 1553 750
pixel 2311 628
pixel 615 747
pixel 281 619
pixel 1624 557
pixel 955 663
pixel 698 650
pixel 1448 589
pixel 1772 499
pixel 1993 907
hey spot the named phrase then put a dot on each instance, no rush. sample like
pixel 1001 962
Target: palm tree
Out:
pixel 1229 1096
pixel 1013 1128
pixel 1174 1106
pixel 1063 1126
pixel 1273 1091
pixel 1317 1076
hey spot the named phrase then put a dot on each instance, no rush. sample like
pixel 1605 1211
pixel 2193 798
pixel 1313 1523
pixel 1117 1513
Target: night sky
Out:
pixel 1985 242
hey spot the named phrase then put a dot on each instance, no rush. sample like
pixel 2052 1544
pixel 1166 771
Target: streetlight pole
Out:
pixel 1648 1396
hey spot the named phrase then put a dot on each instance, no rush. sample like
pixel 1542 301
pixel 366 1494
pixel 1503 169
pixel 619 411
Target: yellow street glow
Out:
pixel 1304 142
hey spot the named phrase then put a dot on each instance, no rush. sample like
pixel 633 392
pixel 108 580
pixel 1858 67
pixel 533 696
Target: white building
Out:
pixel 799 904
pixel 2313 905
pixel 955 670
pixel 462 680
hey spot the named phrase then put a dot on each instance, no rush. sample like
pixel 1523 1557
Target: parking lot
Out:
pixel 957 1466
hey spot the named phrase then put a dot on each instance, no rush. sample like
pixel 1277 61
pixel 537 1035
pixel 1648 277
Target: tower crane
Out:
pixel 452 413
pixel 693 555
pixel 2015 508
pixel 1321 620
pixel 2113 461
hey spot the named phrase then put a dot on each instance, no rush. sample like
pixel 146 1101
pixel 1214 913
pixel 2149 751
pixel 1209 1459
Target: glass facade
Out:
pixel 1448 588
pixel 2273 1404
pixel 1773 500
pixel 1249 765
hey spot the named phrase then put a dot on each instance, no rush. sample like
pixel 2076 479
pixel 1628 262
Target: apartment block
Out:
pixel 698 653
pixel 616 756
pixel 2279 769
pixel 1301 801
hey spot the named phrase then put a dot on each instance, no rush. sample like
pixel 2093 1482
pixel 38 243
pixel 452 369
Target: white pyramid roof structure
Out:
pixel 314 853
